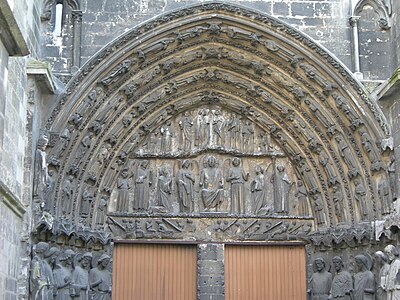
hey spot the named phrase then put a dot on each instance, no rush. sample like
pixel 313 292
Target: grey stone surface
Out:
pixel 210 269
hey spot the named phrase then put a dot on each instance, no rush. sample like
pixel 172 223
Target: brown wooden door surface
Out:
pixel 154 272
pixel 265 273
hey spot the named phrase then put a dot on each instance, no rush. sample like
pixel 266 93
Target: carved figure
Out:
pixel 327 165
pixel 86 201
pixel 100 279
pixel 248 136
pixel 202 137
pixel 318 207
pixel 392 177
pixel 237 177
pixel 63 143
pixel 41 169
pixel 258 188
pixel 123 186
pixel 342 284
pixel 185 125
pixel 321 281
pixel 384 195
pixel 234 131
pixel 142 184
pixel 50 256
pixel 80 286
pixel 381 261
pixel 345 153
pixel 393 278
pixel 364 280
pixel 39 281
pixel 369 148
pixel 117 72
pixel 301 194
pixel 154 142
pixel 338 203
pixel 164 189
pixel 84 146
pixel 62 275
pixel 282 184
pixel 211 183
pixel 67 193
pixel 101 211
pixel 185 182
pixel 218 124
pixel 265 142
pixel 360 196
pixel 166 137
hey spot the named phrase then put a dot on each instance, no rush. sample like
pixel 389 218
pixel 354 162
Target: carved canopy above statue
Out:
pixel 216 108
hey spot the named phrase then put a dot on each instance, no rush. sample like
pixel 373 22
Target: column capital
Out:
pixel 354 20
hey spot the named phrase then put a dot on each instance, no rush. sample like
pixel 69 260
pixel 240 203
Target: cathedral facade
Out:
pixel 161 149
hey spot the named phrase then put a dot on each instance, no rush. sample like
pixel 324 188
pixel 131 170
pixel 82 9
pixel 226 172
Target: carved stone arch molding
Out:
pixel 231 107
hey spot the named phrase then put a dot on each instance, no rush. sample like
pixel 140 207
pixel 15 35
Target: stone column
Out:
pixel 210 272
pixel 77 34
pixel 356 51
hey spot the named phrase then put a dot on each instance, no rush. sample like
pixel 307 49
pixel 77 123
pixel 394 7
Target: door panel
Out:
pixel 154 272
pixel 265 273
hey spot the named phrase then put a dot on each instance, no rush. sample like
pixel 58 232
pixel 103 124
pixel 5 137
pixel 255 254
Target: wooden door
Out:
pixel 154 272
pixel 265 273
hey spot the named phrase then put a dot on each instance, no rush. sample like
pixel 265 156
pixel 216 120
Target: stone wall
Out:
pixel 15 148
pixel 104 20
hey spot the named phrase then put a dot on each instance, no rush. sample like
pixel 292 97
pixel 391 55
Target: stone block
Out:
pixel 210 267
pixel 205 281
pixel 323 9
pixel 302 9
pixel 280 9
pixel 211 297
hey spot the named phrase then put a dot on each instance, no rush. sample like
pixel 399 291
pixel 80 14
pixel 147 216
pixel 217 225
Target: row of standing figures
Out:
pixel 384 284
pixel 209 129
pixel 211 183
pixel 66 275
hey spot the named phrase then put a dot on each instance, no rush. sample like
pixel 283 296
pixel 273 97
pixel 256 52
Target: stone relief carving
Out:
pixel 382 264
pixel 320 282
pixel 392 283
pixel 64 274
pixel 342 283
pixel 364 279
pixel 347 156
pixel 237 177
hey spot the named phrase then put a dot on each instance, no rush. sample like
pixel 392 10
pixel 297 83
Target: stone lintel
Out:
pixel 41 71
pixel 10 34
pixel 8 198
pixel 390 88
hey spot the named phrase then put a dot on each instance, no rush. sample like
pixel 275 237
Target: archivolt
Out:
pixel 248 63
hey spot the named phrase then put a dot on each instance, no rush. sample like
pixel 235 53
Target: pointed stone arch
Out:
pixel 218 56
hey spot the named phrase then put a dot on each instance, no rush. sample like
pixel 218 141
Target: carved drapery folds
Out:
pixel 216 115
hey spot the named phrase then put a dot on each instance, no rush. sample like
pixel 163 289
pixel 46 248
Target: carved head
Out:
pixel 259 169
pixel 280 168
pixel 391 252
pixel 380 257
pixel 236 161
pixel 86 260
pixel 68 256
pixel 104 260
pixel 338 263
pixel 40 248
pixel 361 262
pixel 186 164
pixel 52 254
pixel 319 263
pixel 211 161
